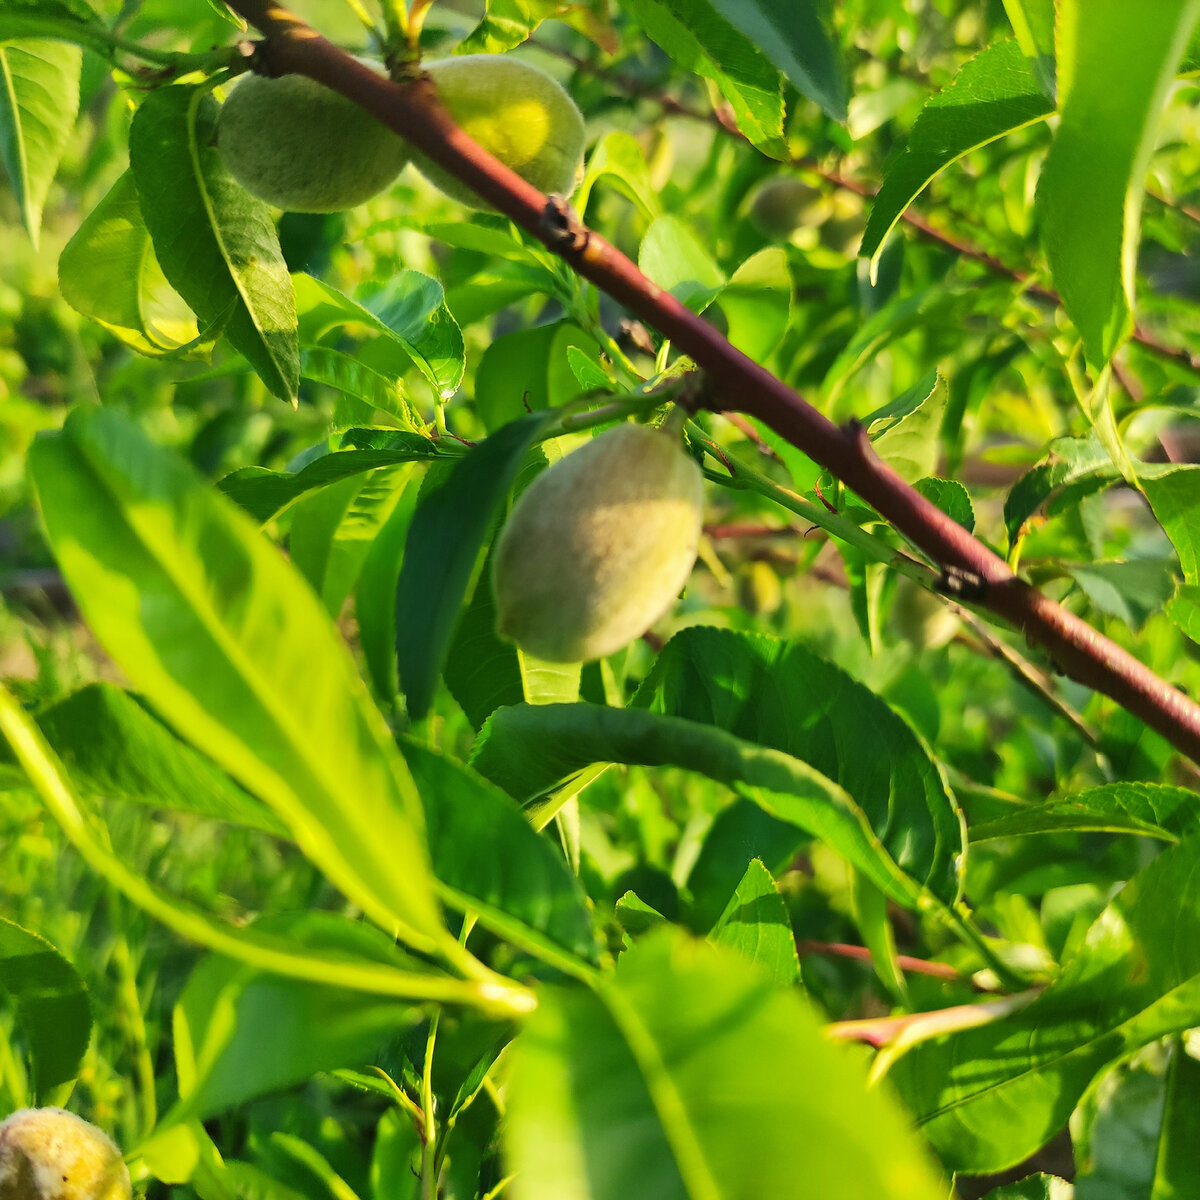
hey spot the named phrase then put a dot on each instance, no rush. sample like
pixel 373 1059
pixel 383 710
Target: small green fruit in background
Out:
pixel 51 1154
pixel 304 148
pixel 517 113
pixel 599 545
pixel 779 207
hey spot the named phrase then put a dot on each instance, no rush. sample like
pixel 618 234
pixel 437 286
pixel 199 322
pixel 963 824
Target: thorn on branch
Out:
pixel 962 584
pixel 564 232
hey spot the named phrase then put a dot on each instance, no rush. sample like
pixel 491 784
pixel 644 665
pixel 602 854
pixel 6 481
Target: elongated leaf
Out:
pixel 779 694
pixel 333 530
pixel 990 1096
pixel 242 1033
pixel 216 243
pixel 265 494
pixel 51 1005
pixel 482 672
pixel 1147 808
pixel 756 924
pixel 791 35
pixel 449 528
pixel 690 1076
pixel 1176 1169
pixel 1114 72
pixel 507 23
pixel 1131 591
pixel 39 97
pixel 488 860
pixel 619 157
pixel 701 40
pixel 1033 23
pixel 67 20
pixel 114 749
pixel 529 749
pixel 410 313
pixel 216 629
pixel 905 432
pixel 993 94
pixel 109 273
pixel 346 374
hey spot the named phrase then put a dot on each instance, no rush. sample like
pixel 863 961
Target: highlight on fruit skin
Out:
pixel 304 148
pixel 51 1154
pixel 517 113
pixel 599 545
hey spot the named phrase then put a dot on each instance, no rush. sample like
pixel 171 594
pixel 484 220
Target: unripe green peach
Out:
pixel 304 148
pixel 780 206
pixel 598 546
pixel 517 113
pixel 51 1154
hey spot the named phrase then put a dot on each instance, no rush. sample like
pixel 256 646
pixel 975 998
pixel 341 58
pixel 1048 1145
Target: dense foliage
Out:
pixel 831 883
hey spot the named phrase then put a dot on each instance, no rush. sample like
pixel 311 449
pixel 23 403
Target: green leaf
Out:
pixel 451 524
pixel 113 749
pixel 1033 23
pixel 618 157
pixel 108 272
pixel 223 638
pixel 756 924
pixel 410 313
pixel 697 38
pixel 488 860
pixel 791 35
pixel 242 1033
pixel 332 530
pixel 690 1076
pixel 346 374
pixel 1177 1171
pixel 740 833
pixel 781 695
pixel 66 20
pixel 1033 1187
pixel 216 243
pixel 265 494
pixel 1175 499
pixel 1184 610
pixel 1148 808
pixel 988 1097
pixel 1115 69
pixel 635 915
pixel 674 258
pixel 507 23
pixel 757 303
pixel 993 94
pixel 1130 591
pixel 905 431
pixel 51 1006
pixel 39 97
pixel 529 749
pixel 951 497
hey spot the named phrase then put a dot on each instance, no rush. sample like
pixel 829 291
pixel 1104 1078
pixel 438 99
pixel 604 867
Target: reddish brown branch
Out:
pixel 917 966
pixel 414 111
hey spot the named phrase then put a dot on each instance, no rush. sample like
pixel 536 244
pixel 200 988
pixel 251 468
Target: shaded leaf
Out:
pixel 51 1005
pixel 674 258
pixel 951 497
pixel 1130 591
pixel 450 527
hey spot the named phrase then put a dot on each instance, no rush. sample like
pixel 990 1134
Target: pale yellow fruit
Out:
pixel 517 113
pixel 51 1154
pixel 599 545
pixel 304 148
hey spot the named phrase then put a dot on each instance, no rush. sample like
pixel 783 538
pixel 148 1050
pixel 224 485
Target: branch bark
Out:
pixel 973 572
